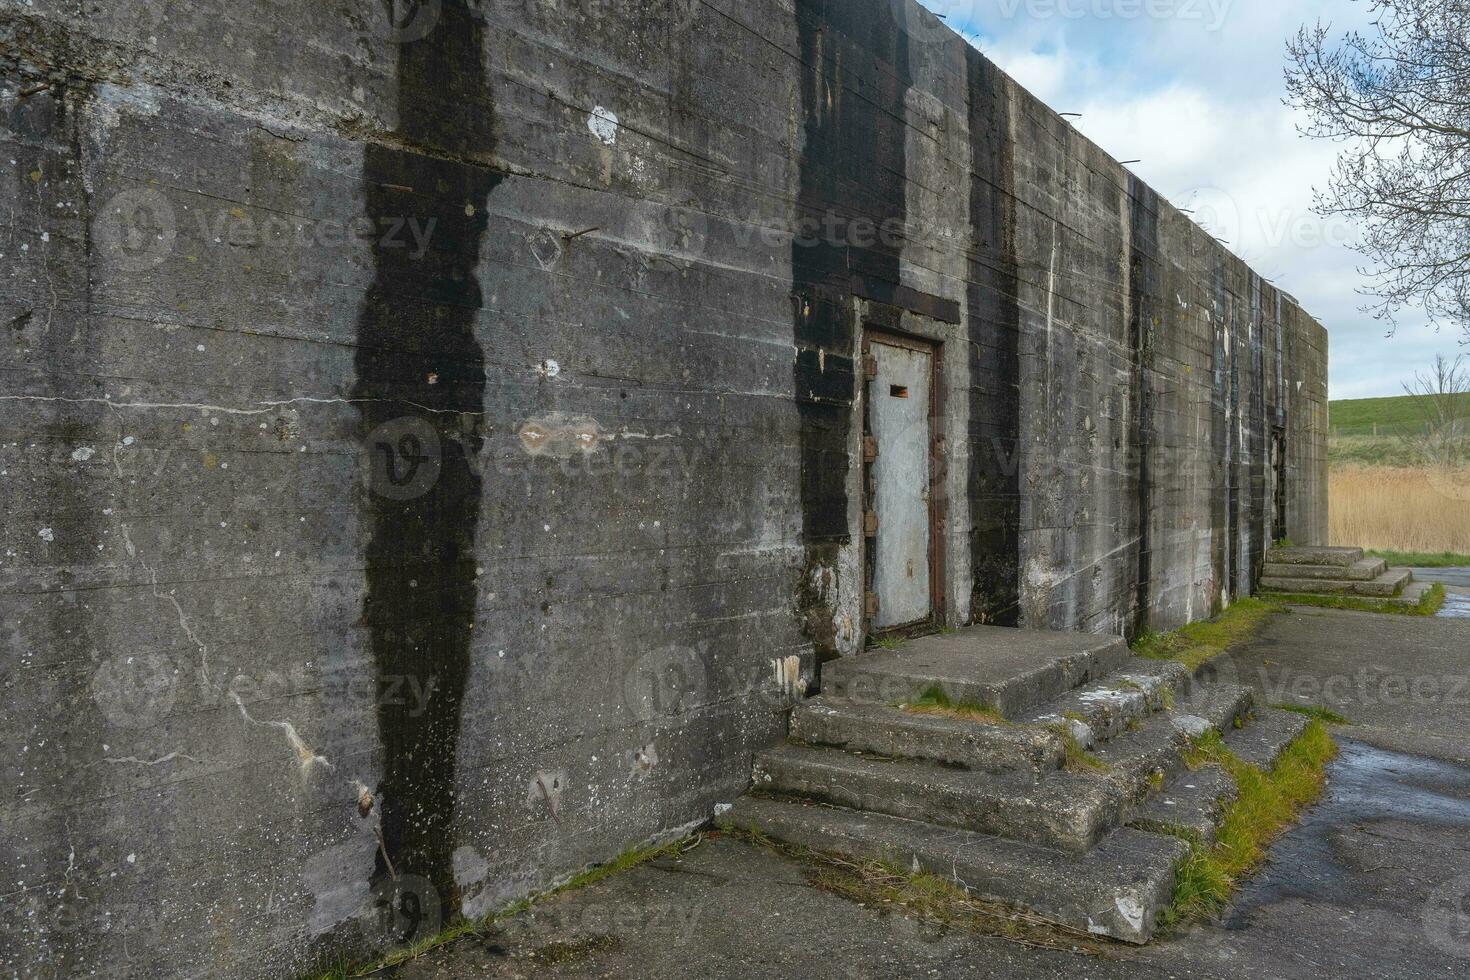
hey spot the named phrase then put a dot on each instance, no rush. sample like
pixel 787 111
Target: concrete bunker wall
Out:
pixel 428 447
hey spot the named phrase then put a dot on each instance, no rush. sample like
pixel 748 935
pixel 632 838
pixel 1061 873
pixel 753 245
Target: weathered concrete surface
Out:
pixel 1402 681
pixel 1371 884
pixel 429 448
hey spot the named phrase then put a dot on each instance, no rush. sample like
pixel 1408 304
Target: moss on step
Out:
pixel 1324 715
pixel 1267 804
pixel 935 702
pixel 1199 643
pixel 555 953
pixel 888 886
pixel 1428 605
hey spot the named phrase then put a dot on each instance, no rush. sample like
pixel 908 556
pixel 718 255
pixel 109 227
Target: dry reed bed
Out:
pixel 1393 509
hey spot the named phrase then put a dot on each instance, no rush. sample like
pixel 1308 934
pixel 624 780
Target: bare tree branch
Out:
pixel 1399 96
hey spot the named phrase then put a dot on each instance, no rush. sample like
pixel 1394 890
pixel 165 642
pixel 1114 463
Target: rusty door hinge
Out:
pixel 870 449
pixel 870 367
pixel 870 604
pixel 870 523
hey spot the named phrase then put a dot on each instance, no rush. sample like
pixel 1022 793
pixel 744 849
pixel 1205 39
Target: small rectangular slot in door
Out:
pixel 898 391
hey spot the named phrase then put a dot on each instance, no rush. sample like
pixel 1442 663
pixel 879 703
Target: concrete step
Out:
pixel 1362 571
pixel 1412 595
pixel 1068 811
pixel 1342 557
pixel 1270 730
pixel 1117 889
pixel 1107 707
pixel 1144 760
pixel 861 726
pixel 1193 804
pixel 1006 670
pixel 1389 584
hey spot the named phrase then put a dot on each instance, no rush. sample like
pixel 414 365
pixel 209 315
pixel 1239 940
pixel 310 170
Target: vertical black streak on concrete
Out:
pixel 417 347
pixel 855 77
pixel 1234 440
pixel 994 334
pixel 1260 436
pixel 1144 276
pixel 1219 435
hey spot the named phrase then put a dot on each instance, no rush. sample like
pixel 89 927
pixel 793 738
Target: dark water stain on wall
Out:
pixel 1260 437
pixel 420 388
pixel 994 334
pixel 853 170
pixel 1219 439
pixel 1144 277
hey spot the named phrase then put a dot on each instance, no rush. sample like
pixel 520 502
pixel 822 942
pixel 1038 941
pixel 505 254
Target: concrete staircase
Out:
pixel 1009 807
pixel 1324 572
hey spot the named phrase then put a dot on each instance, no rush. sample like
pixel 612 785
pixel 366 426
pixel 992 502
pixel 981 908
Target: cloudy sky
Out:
pixel 1195 91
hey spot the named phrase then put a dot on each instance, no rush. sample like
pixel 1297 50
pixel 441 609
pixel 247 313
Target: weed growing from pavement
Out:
pixel 1267 804
pixel 1324 715
pixel 1199 643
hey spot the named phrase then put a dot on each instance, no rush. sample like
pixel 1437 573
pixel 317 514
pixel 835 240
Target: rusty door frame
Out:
pixel 938 508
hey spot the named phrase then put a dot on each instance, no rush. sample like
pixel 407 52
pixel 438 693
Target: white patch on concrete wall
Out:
pixel 470 872
pixel 545 791
pixel 644 760
pixel 306 758
pixel 338 880
pixel 604 125
pixel 82 454
pixel 788 676
pixel 562 436
pixel 46 534
pixel 548 368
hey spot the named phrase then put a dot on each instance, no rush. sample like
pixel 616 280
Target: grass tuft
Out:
pixel 1078 759
pixel 935 702
pixel 1430 605
pixel 888 643
pixel 1267 804
pixel 1325 715
pixel 1199 643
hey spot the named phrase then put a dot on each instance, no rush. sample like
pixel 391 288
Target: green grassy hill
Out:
pixel 1357 416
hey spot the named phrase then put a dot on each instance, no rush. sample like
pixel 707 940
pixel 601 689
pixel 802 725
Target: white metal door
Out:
pixel 899 416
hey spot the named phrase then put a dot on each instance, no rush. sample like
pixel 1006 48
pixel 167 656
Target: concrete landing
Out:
pixel 1343 557
pixel 1006 670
